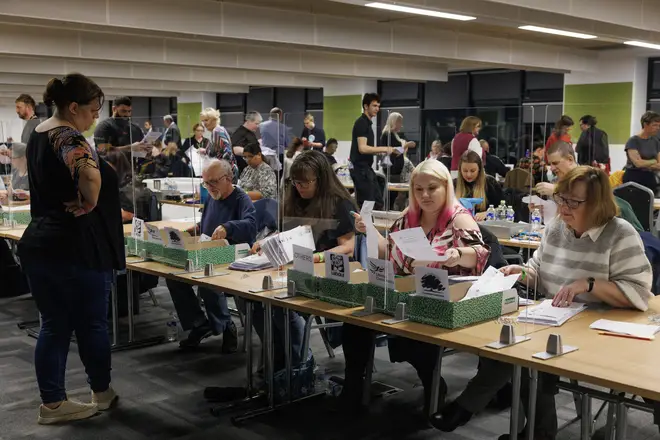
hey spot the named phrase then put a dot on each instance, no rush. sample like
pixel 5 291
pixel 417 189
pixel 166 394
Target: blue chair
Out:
pixel 266 214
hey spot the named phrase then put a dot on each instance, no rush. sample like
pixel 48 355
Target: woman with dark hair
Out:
pixel 593 147
pixel 71 246
pixel 472 181
pixel 294 149
pixel 561 132
pixel 258 178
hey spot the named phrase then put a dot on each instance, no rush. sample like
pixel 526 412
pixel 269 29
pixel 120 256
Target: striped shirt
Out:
pixel 612 252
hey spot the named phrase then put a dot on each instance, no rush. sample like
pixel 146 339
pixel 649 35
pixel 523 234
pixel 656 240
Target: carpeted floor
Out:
pixel 161 394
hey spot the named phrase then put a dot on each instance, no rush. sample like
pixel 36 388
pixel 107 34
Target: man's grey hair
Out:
pixel 253 117
pixel 168 118
pixel 276 113
pixel 222 164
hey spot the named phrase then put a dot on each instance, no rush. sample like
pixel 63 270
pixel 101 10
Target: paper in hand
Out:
pixel 414 244
pixel 151 137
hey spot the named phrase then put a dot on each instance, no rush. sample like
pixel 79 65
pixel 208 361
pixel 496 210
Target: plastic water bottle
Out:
pixel 536 220
pixel 510 214
pixel 173 328
pixel 501 211
pixel 490 214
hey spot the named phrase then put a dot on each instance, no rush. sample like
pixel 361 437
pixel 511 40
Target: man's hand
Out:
pixel 219 233
pixel 545 188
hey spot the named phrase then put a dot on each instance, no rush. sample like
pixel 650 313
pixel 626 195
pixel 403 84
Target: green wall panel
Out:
pixel 610 103
pixel 187 116
pixel 339 114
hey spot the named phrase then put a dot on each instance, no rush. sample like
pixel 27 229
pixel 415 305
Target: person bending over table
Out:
pixel 472 181
pixel 258 179
pixel 452 232
pixel 587 254
pixel 562 160
pixel 228 214
pixel 316 198
pixel 70 248
pixel 643 152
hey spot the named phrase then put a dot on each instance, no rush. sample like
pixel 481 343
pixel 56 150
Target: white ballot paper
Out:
pixel 414 244
pixel 372 234
pixel 151 137
pixel 204 237
pixel 626 328
pixel 279 248
pixel 491 281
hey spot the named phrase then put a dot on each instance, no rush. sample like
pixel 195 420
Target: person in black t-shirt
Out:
pixel 118 131
pixel 313 136
pixel 243 136
pixel 330 149
pixel 363 150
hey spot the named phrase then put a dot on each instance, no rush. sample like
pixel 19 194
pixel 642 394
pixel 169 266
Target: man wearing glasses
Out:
pixel 228 214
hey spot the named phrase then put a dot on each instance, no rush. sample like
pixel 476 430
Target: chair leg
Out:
pixel 154 300
pixel 324 336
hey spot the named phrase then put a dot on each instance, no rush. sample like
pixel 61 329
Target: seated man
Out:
pixel 20 185
pixel 229 214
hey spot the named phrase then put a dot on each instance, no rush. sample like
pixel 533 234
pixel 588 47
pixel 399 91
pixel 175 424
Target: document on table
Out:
pixel 644 331
pixel 279 248
pixel 546 314
pixel 414 244
pixel 251 263
pixel 491 281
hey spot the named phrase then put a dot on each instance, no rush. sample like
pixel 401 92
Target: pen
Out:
pixel 625 336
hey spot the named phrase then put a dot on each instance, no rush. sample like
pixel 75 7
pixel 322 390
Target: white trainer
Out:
pixel 68 410
pixel 106 399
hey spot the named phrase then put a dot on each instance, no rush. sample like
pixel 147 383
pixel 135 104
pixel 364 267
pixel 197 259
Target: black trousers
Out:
pixel 366 186
pixel 643 177
pixel 358 341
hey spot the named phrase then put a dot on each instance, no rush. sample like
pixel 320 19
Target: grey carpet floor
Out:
pixel 161 393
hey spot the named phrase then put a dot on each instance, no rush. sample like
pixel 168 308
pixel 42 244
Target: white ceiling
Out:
pixel 156 47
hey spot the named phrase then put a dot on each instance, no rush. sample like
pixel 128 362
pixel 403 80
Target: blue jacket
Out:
pixel 236 213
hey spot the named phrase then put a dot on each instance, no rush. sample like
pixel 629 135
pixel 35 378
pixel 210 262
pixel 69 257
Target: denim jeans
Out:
pixel 297 326
pixel 190 312
pixel 70 299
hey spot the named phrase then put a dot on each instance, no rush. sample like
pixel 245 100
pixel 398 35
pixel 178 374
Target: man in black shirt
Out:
pixel 244 136
pixel 172 133
pixel 363 150
pixel 118 131
pixel 313 136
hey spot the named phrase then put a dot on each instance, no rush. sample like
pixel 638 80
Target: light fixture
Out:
pixel 557 32
pixel 418 11
pixel 642 44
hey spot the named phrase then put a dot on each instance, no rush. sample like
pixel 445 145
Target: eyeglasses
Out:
pixel 212 183
pixel 571 203
pixel 303 184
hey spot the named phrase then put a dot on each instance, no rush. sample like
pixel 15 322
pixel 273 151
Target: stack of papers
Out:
pixel 491 281
pixel 642 331
pixel 278 249
pixel 251 263
pixel 546 314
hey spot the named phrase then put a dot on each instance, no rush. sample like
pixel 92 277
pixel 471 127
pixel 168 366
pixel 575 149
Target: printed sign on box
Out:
pixel 381 273
pixel 303 259
pixel 337 267
pixel 433 282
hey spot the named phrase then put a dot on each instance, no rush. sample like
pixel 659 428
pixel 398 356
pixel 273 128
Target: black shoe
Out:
pixel 451 417
pixel 230 339
pixel 523 436
pixel 196 335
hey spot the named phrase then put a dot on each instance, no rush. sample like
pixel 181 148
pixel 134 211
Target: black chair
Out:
pixel 641 200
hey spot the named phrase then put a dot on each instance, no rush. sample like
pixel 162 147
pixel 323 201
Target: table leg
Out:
pixel 436 384
pixel 366 387
pixel 270 367
pixel 129 295
pixel 515 402
pixel 287 353
pixel 585 421
pixel 247 335
pixel 621 421
pixel 115 312
pixel 531 413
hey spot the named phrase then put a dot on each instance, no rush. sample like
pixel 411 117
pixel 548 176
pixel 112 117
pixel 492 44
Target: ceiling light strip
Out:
pixel 419 11
pixel 557 32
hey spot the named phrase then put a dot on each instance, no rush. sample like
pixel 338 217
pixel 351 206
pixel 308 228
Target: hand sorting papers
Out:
pixel 278 249
pixel 546 314
pixel 491 281
pixel 414 244
pixel 641 331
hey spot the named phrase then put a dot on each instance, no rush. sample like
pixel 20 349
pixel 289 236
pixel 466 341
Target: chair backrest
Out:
pixel 518 179
pixel 496 258
pixel 266 214
pixel 641 200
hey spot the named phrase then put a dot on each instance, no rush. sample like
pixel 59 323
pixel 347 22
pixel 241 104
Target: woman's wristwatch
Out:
pixel 590 281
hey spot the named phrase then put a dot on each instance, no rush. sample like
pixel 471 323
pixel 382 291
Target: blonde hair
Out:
pixel 309 118
pixel 469 124
pixel 599 198
pixel 479 185
pixel 436 169
pixel 210 113
pixel 392 119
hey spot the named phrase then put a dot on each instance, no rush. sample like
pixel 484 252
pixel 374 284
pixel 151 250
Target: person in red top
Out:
pixel 560 133
pixel 466 140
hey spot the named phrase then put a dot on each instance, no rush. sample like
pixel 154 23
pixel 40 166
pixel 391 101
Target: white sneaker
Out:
pixel 105 400
pixel 68 410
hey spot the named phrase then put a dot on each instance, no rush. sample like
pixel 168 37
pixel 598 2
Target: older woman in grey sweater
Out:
pixel 587 255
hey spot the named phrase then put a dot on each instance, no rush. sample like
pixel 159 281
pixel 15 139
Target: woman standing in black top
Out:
pixel 71 246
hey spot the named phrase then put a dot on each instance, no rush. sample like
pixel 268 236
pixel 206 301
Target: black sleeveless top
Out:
pixel 94 240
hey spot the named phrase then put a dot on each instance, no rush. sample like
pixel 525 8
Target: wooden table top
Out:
pixel 184 204
pixel 398 187
pixel 12 234
pixel 526 244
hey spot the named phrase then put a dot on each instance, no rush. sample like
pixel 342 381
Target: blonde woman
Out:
pixel 313 136
pixel 451 232
pixel 472 181
pixel 220 146
pixel 466 140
